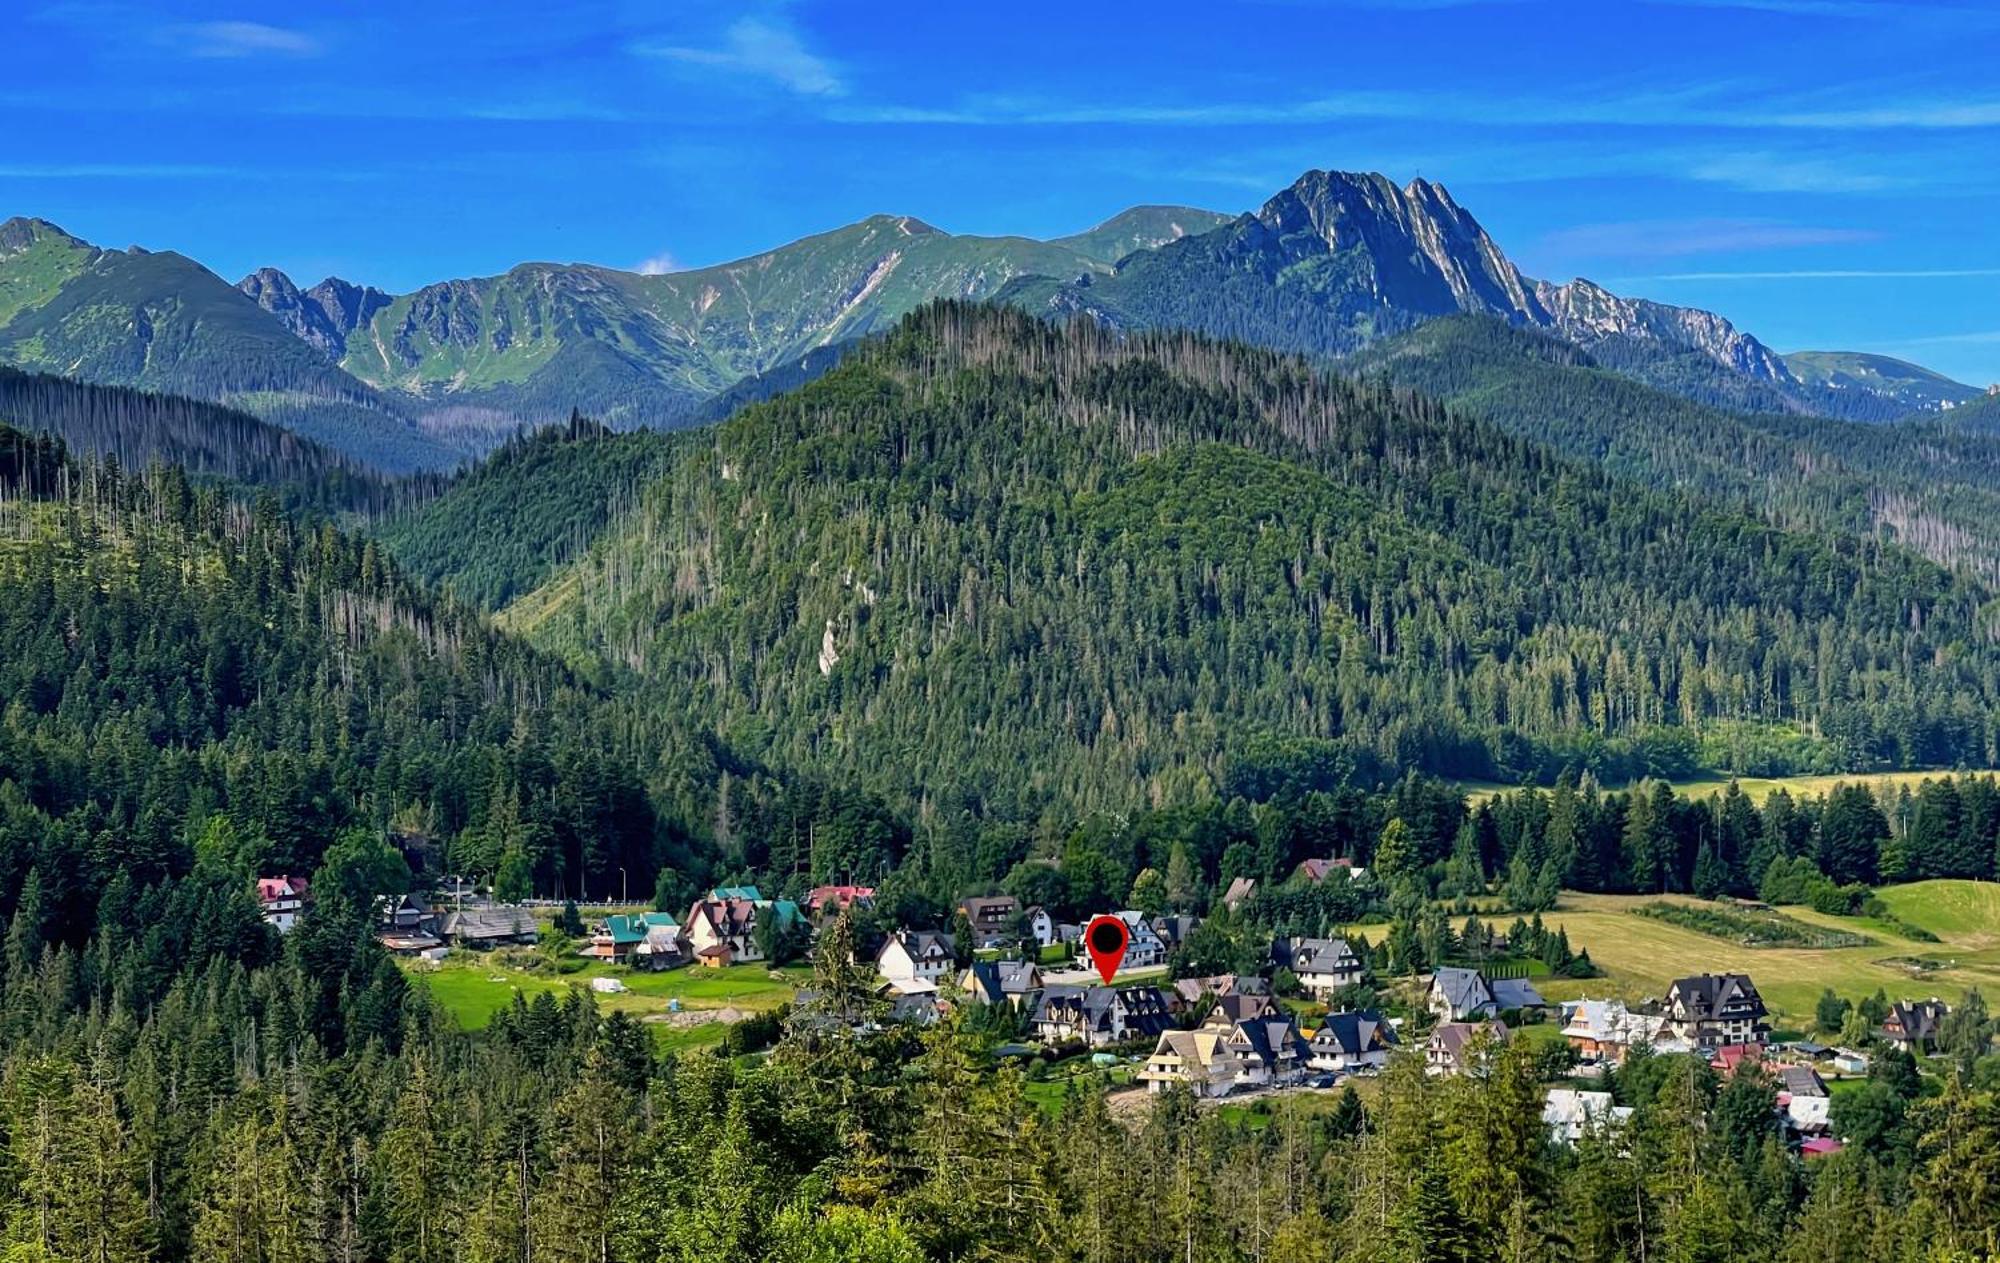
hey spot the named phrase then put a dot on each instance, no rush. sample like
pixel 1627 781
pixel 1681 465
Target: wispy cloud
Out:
pixel 1665 238
pixel 1765 172
pixel 113 171
pixel 1818 274
pixel 241 39
pixel 763 49
pixel 659 264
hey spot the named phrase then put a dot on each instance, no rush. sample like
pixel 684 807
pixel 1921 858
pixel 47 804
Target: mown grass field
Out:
pixel 473 987
pixel 1760 787
pixel 1640 956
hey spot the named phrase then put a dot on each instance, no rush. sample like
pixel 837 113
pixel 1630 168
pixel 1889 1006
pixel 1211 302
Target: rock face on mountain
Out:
pixel 1423 253
pixel 1340 259
pixel 1588 315
pixel 322 316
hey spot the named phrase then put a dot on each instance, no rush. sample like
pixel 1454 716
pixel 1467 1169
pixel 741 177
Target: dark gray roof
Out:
pixel 495 922
pixel 1353 1034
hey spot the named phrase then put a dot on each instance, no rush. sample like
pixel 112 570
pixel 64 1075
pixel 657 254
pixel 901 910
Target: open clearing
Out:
pixel 473 987
pixel 1759 787
pixel 1640 956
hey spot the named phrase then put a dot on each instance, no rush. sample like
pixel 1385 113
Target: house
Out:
pixel 1200 1059
pixel 407 914
pixel 916 956
pixel 1238 892
pixel 1913 1025
pixel 661 948
pixel 1457 995
pixel 283 900
pixel 1267 1048
pixel 616 941
pixel 1820 1147
pixel 1322 965
pixel 406 925
pixel 917 1008
pixel 1174 928
pixel 1605 1030
pixel 1042 926
pixel 1187 992
pixel 1452 1043
pixel 823 903
pixel 1848 1061
pixel 1317 871
pixel 1352 1043
pixel 1098 1015
pixel 1012 982
pixel 730 920
pixel 1571 1114
pixel 991 917
pixel 502 925
pixel 1713 1009
pixel 1244 1006
pixel 1144 949
pixel 1803 1095
pixel 1729 1058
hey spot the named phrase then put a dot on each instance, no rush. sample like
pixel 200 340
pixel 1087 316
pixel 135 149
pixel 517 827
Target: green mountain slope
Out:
pixel 1916 388
pixel 161 322
pixel 1141 228
pixel 647 350
pixel 983 545
pixel 1932 490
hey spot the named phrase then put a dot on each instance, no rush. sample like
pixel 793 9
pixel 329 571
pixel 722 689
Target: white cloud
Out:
pixel 659 264
pixel 242 39
pixel 1666 237
pixel 1769 173
pixel 761 48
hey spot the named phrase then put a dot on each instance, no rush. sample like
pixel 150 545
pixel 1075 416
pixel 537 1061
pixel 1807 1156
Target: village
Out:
pixel 1289 1028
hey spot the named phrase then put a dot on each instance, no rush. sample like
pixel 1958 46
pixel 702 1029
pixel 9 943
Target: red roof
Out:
pixel 273 889
pixel 1820 1146
pixel 842 896
pixel 1731 1056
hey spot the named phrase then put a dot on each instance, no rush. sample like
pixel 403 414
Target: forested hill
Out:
pixel 1930 484
pixel 138 428
pixel 183 671
pixel 993 561
pixel 498 530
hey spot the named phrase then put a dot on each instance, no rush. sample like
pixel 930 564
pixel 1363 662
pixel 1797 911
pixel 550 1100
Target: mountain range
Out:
pixel 422 380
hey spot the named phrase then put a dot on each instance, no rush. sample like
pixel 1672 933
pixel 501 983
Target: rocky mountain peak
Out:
pixel 322 316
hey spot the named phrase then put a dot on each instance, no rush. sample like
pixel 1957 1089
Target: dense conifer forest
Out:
pixel 984 544
pixel 203 687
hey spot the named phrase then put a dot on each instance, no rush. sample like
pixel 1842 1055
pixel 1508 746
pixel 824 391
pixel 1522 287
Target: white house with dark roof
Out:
pixel 1710 1010
pixel 916 957
pixel 1322 965
pixel 1352 1043
pixel 1458 995
pixel 1098 1015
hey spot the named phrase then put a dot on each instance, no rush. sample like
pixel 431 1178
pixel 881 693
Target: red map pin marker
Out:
pixel 1106 939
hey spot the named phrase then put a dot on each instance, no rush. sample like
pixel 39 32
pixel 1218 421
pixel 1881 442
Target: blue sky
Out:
pixel 1823 172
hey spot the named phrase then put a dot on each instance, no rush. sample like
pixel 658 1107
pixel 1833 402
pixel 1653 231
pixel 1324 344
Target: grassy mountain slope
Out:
pixel 1141 228
pixel 1915 387
pixel 647 350
pixel 983 545
pixel 1930 489
pixel 161 322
